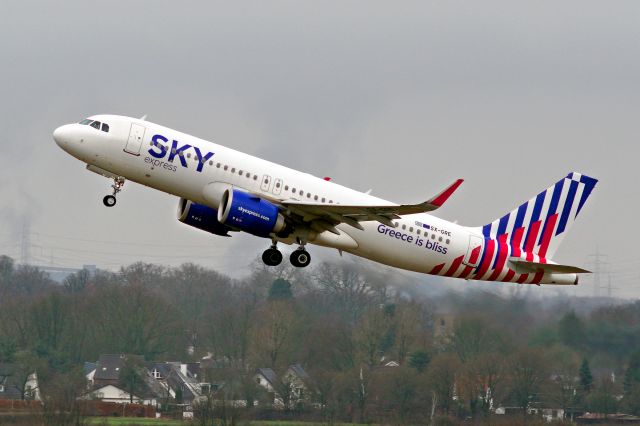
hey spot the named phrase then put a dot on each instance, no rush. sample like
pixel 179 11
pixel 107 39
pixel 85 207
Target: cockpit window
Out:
pixel 86 121
pixel 105 127
pixel 96 125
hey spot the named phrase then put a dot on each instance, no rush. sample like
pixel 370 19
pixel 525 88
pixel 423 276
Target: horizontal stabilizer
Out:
pixel 548 268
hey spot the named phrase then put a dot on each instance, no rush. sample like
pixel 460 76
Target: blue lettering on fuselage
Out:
pixel 159 150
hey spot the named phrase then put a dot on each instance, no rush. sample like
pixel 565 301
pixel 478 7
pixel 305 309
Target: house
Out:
pixel 180 380
pixel 105 384
pixel 293 388
pixel 14 385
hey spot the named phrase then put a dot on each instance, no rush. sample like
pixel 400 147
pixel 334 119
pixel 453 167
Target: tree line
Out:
pixel 344 323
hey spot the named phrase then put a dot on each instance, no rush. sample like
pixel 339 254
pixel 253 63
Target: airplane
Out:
pixel 222 191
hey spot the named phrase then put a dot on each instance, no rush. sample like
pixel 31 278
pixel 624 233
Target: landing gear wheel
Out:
pixel 300 258
pixel 109 200
pixel 272 257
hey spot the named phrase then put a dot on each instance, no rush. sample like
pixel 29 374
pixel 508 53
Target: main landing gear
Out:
pixel 110 200
pixel 299 258
pixel 272 256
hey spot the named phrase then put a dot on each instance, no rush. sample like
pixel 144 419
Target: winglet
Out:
pixel 440 199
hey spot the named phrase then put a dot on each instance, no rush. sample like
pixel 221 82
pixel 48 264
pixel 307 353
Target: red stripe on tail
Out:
pixel 488 257
pixel 517 240
pixel 503 250
pixel 531 240
pixel 454 266
pixel 547 234
pixel 436 269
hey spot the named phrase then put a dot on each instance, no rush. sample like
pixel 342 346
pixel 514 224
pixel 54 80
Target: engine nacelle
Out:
pixel 202 217
pixel 249 213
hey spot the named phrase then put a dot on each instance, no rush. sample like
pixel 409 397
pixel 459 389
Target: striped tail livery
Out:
pixel 518 245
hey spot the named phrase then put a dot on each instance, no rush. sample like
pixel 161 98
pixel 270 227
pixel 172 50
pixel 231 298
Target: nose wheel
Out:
pixel 272 256
pixel 110 200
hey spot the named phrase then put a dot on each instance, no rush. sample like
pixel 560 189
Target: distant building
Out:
pixel 15 386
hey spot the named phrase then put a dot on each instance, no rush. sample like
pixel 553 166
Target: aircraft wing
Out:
pixel 325 216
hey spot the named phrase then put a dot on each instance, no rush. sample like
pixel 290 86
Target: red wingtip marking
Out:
pixel 327 178
pixel 440 199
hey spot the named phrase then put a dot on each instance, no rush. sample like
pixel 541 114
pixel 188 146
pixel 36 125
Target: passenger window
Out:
pixel 210 163
pixel 411 229
pixel 440 239
pixel 447 241
pixel 433 236
pixel 248 174
pixel 277 184
pixel 188 155
pixel 286 187
pixel 404 226
pixel 105 127
pixel 255 177
pixel 233 170
pixel 240 172
pixel 308 195
pixel 96 125
pixel 315 197
pixel 226 167
pixel 418 231
pixel 301 193
pixel 323 199
pixel 293 190
pixel 330 201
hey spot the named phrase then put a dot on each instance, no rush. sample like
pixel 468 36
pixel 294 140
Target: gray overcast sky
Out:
pixel 401 97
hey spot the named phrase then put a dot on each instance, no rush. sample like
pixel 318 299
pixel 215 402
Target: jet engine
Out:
pixel 201 217
pixel 249 213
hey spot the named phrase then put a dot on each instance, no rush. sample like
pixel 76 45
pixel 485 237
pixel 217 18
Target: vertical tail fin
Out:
pixel 538 226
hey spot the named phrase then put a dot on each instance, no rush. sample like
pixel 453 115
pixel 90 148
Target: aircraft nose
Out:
pixel 62 135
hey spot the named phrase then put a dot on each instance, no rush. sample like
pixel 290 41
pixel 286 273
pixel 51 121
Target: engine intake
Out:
pixel 201 217
pixel 249 213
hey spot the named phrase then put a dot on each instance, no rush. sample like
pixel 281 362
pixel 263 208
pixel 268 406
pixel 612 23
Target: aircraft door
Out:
pixel 266 183
pixel 136 135
pixel 472 257
pixel 277 187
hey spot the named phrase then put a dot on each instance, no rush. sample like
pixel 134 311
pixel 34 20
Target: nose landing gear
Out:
pixel 110 200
